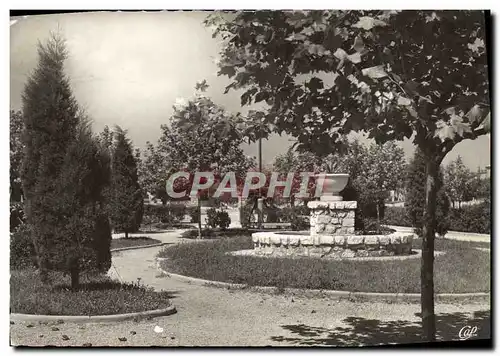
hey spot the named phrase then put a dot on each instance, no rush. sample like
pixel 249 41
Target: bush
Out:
pixel 395 215
pixel 22 251
pixel 215 234
pixel 218 218
pixel 167 214
pixel 472 218
pixel 295 216
pixel 247 217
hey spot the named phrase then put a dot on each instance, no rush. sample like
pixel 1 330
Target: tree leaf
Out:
pixel 375 72
pixel 340 54
pixel 358 45
pixel 404 101
pixel 474 114
pixel 367 23
pixel 355 58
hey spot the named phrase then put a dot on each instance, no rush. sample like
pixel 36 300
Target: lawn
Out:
pixel 98 296
pixel 132 241
pixel 461 269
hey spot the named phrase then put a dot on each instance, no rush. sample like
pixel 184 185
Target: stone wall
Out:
pixel 347 246
pixel 332 218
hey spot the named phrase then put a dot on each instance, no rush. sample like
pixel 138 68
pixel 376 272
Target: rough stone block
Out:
pixel 276 239
pixel 331 229
pixel 324 219
pixel 348 222
pixel 315 251
pixel 327 250
pixel 339 240
pixel 320 228
pixel 371 240
pixel 362 253
pixel 293 241
pixel 395 239
pixel 384 240
pixel 326 240
pixel 346 230
pixel 306 242
pixel 406 239
pixel 354 240
pixel 347 254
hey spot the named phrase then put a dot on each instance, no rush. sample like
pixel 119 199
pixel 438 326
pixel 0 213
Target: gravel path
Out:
pixel 217 317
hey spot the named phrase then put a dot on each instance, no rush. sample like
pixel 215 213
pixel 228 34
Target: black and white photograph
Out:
pixel 303 178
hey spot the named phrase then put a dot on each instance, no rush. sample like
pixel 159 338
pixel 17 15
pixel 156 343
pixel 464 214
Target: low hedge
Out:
pixel 215 233
pixel 471 218
pixel 166 214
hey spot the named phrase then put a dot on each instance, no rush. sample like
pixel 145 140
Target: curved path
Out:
pixel 210 316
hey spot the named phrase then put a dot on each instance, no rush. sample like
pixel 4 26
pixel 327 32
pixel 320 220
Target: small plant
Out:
pixel 218 218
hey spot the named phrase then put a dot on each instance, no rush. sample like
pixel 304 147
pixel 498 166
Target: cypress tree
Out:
pixel 127 202
pixel 86 235
pixel 415 196
pixel 63 172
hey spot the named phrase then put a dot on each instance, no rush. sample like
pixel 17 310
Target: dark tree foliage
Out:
pixel 415 197
pixel 393 74
pixel 127 201
pixel 16 154
pixel 63 172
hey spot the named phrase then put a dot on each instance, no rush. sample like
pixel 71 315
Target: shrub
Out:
pixel 247 217
pixel 472 218
pixel 194 214
pixel 218 218
pixel 22 251
pixel 395 215
pixel 295 216
pixel 214 233
pixel 167 214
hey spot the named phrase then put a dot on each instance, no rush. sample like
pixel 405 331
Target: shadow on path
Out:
pixel 361 331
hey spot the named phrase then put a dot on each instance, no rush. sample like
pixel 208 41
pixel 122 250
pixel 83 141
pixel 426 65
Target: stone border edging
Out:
pixel 139 247
pixel 101 318
pixel 94 318
pixel 321 292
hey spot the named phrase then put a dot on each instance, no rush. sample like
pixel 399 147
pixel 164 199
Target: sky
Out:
pixel 128 69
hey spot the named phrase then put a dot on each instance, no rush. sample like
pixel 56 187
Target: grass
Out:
pixel 462 269
pixel 97 296
pixel 133 241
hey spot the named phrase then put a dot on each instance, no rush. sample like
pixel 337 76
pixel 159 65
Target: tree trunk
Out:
pixel 126 234
pixel 199 218
pixel 427 266
pixel 75 276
